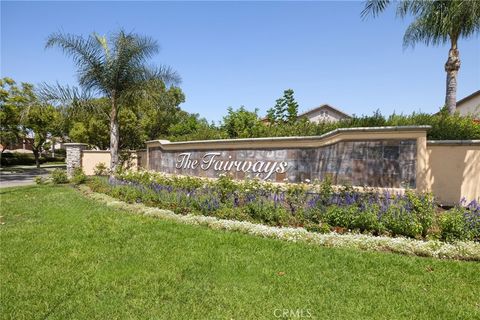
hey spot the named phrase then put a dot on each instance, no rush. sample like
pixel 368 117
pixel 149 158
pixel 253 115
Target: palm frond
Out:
pixel 111 68
pixel 83 51
pixel 420 31
pixel 163 73
pixel 374 8
pixel 67 97
pixel 87 55
pixel 412 7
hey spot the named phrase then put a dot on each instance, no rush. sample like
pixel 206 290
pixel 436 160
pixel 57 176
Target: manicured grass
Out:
pixel 65 256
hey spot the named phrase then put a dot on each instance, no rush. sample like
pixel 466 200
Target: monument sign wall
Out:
pixel 374 157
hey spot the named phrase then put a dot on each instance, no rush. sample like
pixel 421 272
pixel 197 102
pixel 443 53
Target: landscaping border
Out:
pixel 460 250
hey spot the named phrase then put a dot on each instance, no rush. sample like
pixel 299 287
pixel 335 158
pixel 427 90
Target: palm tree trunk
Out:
pixel 114 137
pixel 451 67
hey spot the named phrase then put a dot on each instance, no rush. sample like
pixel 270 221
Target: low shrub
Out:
pixel 265 212
pixel 53 159
pixel 472 218
pixel 59 176
pixel 78 176
pixel 461 222
pixel 400 220
pixel 100 169
pixel 39 180
pixel 99 185
pixel 341 216
pixel 25 159
pixel 423 206
pixel 12 159
pixel 453 226
pixel 367 219
pixel 127 194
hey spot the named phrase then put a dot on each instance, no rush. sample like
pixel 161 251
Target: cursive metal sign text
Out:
pixel 211 161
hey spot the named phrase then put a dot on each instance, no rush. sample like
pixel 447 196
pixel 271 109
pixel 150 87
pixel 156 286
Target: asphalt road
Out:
pixel 24 175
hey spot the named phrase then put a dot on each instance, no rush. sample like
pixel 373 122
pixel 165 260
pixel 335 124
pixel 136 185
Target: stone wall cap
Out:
pixel 96 151
pixel 325 135
pixel 73 144
pixel 453 142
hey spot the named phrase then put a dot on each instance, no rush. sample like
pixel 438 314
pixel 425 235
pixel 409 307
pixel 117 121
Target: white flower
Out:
pixel 307 180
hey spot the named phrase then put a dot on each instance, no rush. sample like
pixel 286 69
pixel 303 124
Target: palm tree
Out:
pixel 436 22
pixel 114 68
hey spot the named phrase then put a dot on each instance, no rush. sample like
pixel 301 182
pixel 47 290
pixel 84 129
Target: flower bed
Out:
pixel 315 207
pixel 433 248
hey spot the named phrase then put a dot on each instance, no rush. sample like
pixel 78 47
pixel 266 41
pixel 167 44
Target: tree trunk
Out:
pixel 53 147
pixel 36 154
pixel 114 137
pixel 451 67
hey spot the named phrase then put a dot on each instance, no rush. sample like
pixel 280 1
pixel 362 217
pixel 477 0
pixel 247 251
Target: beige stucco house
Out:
pixel 324 113
pixel 470 105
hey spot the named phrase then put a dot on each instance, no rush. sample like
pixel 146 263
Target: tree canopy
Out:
pixel 115 68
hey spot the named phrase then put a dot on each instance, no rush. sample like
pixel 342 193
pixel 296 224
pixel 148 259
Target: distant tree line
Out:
pixel 282 120
pixel 158 115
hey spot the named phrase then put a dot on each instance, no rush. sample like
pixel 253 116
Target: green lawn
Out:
pixel 65 256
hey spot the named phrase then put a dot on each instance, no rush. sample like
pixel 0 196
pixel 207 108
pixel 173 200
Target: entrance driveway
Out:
pixel 24 175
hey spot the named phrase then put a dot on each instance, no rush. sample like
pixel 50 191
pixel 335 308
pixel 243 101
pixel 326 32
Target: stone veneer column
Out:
pixel 74 156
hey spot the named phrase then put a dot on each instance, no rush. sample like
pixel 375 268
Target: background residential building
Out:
pixel 470 105
pixel 324 113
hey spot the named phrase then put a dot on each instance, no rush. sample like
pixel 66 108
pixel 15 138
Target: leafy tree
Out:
pixel 143 118
pixel 160 111
pixel 88 125
pixel 241 123
pixel 42 121
pixel 132 136
pixel 12 99
pixel 285 109
pixel 115 68
pixel 93 131
pixel 22 115
pixel 192 127
pixel 436 22
pixel 79 132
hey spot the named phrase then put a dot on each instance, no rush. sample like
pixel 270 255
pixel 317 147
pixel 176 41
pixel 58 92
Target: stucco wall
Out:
pixel 471 106
pixel 453 170
pixel 90 158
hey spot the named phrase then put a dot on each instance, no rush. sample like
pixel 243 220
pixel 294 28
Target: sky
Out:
pixel 231 54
